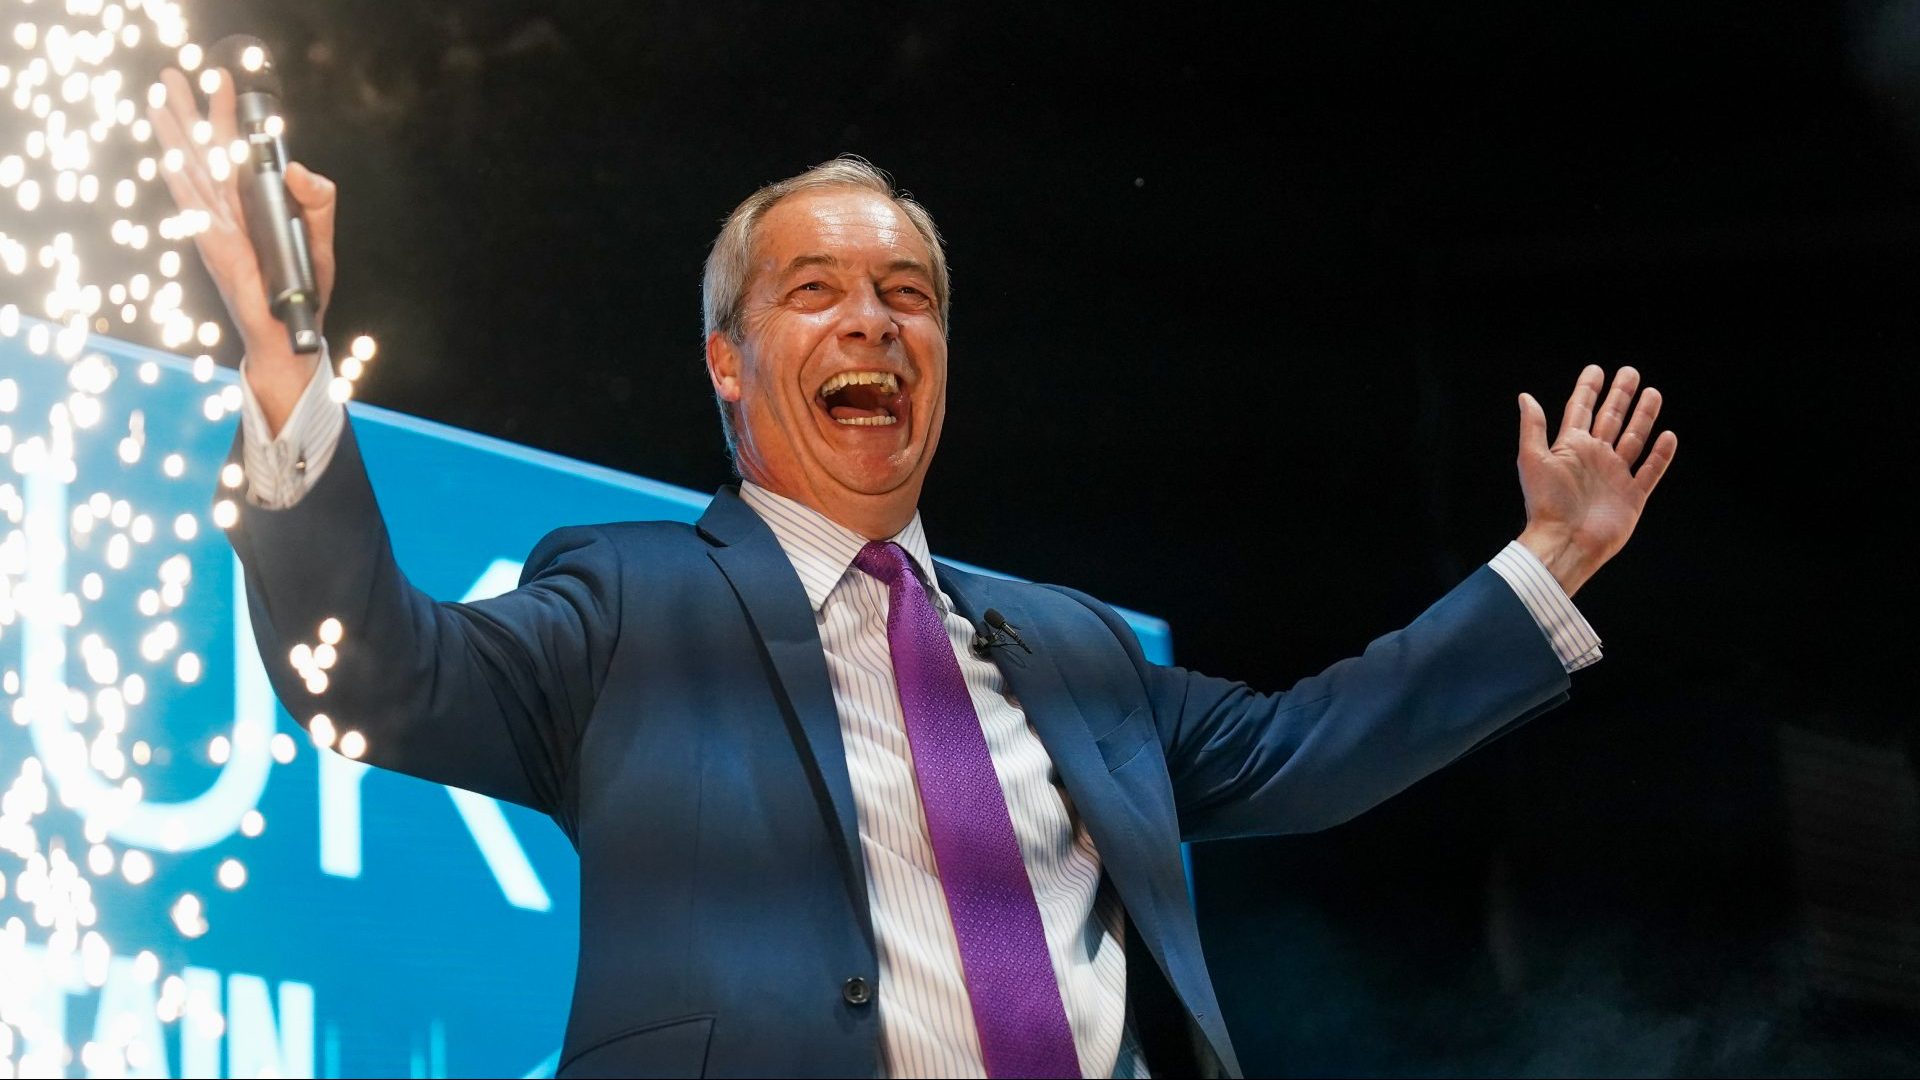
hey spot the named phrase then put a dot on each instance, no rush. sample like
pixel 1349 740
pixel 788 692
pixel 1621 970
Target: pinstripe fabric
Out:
pixel 925 1018
pixel 1574 642
pixel 279 471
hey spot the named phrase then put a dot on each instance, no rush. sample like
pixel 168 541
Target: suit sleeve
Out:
pixel 1472 667
pixel 490 696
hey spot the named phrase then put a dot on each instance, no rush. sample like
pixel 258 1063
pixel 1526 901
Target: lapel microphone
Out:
pixel 989 639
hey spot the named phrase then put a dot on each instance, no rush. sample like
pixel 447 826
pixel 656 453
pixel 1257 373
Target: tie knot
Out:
pixel 885 560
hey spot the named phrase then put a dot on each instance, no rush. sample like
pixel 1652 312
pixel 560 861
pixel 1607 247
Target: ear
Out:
pixel 724 364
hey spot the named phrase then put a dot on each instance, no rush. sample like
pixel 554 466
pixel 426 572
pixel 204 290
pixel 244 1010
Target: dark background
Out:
pixel 1243 298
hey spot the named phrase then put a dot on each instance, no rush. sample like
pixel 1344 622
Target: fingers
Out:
pixel 1586 390
pixel 1655 467
pixel 193 186
pixel 316 196
pixel 1533 426
pixel 224 247
pixel 179 99
pixel 225 132
pixel 1613 412
pixel 220 110
pixel 181 105
pixel 187 193
pixel 1634 439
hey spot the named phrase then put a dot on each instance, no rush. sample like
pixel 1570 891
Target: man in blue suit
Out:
pixel 841 809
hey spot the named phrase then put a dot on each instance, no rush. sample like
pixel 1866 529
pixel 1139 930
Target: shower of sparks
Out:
pixel 91 245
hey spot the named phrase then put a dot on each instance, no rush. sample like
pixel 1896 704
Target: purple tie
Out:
pixel 1003 949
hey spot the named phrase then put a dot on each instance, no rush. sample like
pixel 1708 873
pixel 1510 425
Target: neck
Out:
pixel 875 517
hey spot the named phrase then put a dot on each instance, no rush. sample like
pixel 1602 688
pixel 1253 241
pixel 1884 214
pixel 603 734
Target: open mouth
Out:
pixel 863 398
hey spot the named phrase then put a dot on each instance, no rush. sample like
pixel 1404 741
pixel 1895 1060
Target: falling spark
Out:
pixel 91 243
pixel 189 916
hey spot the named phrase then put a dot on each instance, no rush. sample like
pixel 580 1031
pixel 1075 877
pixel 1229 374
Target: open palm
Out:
pixel 1584 492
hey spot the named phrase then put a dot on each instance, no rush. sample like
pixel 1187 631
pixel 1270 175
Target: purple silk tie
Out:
pixel 1003 948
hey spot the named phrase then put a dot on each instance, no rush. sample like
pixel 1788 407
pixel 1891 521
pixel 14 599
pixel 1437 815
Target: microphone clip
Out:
pixel 990 638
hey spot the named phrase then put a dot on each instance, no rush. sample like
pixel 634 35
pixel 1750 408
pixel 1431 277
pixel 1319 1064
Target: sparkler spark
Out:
pixel 92 247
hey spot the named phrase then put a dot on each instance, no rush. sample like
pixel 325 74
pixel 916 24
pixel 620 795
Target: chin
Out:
pixel 879 479
pixel 876 487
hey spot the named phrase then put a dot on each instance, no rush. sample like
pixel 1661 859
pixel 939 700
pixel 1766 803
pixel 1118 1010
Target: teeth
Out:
pixel 887 382
pixel 868 421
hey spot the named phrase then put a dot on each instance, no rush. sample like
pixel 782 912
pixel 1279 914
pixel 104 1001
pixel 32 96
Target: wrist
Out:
pixel 278 378
pixel 1558 551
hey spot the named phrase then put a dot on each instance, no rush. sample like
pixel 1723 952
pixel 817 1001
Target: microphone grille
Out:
pixel 249 61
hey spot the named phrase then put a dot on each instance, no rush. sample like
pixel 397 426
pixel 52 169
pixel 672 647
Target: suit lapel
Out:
pixel 1063 729
pixel 1150 882
pixel 763 579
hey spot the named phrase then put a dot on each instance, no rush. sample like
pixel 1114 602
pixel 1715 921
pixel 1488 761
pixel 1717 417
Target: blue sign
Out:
pixel 189 886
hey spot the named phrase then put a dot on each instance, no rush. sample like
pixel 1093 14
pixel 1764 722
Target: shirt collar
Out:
pixel 821 549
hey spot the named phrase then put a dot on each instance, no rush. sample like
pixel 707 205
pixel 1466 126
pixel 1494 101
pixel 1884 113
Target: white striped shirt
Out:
pixel 280 470
pixel 926 1021
pixel 925 1018
pixel 1573 641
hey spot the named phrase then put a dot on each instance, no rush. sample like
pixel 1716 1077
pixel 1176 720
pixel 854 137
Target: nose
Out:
pixel 867 318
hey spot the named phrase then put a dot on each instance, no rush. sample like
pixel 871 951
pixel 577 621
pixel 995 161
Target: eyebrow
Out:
pixel 896 266
pixel 803 261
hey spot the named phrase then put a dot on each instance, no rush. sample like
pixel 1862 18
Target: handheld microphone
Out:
pixel 273 219
pixel 990 639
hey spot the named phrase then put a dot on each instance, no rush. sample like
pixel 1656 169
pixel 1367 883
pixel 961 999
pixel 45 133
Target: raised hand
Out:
pixel 275 373
pixel 1585 492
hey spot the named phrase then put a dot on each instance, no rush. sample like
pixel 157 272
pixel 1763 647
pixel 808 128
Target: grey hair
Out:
pixel 723 285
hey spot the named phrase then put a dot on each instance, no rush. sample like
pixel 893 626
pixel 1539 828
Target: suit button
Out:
pixel 857 991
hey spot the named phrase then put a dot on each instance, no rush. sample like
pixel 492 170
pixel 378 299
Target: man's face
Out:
pixel 841 380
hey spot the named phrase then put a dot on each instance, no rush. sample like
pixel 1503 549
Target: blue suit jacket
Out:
pixel 659 690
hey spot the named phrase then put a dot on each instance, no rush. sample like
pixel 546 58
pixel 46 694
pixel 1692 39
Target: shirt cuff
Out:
pixel 280 470
pixel 1573 641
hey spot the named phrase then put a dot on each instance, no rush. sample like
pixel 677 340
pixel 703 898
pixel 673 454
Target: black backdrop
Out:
pixel 1242 302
